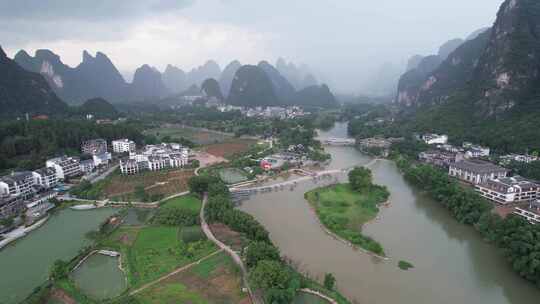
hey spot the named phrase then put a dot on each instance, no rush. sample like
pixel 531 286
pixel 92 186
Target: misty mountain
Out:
pixel 147 84
pixel 296 76
pixel 94 77
pixel 417 80
pixel 175 79
pixel 197 75
pixel 252 87
pixel 99 107
pixel 283 89
pixel 210 88
pixel 24 92
pixel 488 88
pixel 315 96
pixel 448 47
pixel 414 62
pixel 227 76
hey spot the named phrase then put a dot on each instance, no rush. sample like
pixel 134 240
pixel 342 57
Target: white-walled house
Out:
pixel 155 158
pixel 45 177
pixel 65 167
pixel 123 145
pixel 476 171
pixel 434 139
pixel 508 190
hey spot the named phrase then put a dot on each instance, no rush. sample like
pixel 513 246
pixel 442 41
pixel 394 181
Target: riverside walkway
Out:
pixel 234 255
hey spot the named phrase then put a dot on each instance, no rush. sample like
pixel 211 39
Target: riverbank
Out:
pixel 21 232
pixel 343 212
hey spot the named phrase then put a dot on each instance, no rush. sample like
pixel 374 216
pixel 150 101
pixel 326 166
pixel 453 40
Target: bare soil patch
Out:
pixel 228 236
pixel 229 148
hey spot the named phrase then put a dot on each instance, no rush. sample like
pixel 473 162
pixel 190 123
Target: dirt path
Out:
pixel 183 268
pixel 236 258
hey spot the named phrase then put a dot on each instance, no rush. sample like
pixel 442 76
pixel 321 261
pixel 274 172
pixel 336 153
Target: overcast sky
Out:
pixel 344 40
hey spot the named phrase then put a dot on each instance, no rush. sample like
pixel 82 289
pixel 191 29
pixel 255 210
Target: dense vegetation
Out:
pixel 514 235
pixel 26 145
pixel 344 208
pixel 267 271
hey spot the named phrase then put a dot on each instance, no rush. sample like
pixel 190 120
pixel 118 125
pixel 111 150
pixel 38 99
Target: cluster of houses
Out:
pixel 30 191
pixel 490 180
pixel 266 112
pixel 155 158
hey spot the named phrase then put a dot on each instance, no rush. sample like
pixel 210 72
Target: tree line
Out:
pixel 519 240
pixel 267 270
pixel 26 145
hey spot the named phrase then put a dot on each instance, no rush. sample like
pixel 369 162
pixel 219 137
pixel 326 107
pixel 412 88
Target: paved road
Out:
pixel 236 258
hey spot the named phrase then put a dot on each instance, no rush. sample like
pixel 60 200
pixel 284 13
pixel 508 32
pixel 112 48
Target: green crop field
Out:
pixel 188 202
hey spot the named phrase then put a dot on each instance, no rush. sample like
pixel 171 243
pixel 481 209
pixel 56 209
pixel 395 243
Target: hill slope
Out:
pixel 25 92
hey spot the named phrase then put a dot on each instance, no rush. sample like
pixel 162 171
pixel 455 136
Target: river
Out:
pixel 452 263
pixel 25 264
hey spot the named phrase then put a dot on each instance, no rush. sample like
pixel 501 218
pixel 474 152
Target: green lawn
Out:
pixel 171 293
pixel 188 202
pixel 158 251
pixel 214 280
pixel 344 211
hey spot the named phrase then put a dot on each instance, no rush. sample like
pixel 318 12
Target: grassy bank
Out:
pixel 344 211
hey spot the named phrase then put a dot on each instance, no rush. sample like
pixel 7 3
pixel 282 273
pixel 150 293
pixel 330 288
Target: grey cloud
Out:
pixel 94 10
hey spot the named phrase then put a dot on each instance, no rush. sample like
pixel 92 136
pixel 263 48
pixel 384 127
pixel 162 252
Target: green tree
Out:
pixel 329 281
pixel 270 275
pixel 59 270
pixel 259 251
pixel 360 179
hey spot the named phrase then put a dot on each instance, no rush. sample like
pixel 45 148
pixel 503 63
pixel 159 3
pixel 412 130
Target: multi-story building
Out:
pixel 10 206
pixel 123 145
pixel 442 159
pixel 87 166
pixel 508 190
pixel 45 177
pixel 433 139
pixel 101 159
pixel 477 152
pixel 155 158
pixel 65 167
pixel 476 171
pixel 530 213
pixel 17 184
pixel 129 166
pixel 506 159
pixel 94 146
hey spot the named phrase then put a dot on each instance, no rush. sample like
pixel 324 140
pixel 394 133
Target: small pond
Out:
pixel 99 277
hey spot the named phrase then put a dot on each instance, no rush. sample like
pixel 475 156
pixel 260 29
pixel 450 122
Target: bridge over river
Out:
pixel 244 192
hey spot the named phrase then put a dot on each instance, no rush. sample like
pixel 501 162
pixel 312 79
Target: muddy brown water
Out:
pixel 452 263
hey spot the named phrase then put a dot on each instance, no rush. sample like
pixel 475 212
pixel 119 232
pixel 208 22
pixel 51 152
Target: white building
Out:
pixel 123 145
pixel 508 190
pixel 476 171
pixel 531 213
pixel 521 158
pixel 156 158
pixel 101 159
pixel 17 184
pixel 477 152
pixel 45 177
pixel 434 139
pixel 87 166
pixel 65 167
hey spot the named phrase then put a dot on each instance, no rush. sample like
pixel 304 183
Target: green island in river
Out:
pixel 345 208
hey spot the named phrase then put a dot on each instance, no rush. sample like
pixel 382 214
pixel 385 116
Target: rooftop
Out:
pixel 478 166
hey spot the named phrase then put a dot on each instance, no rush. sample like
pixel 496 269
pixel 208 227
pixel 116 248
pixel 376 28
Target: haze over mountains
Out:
pixel 487 87
pixel 98 77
